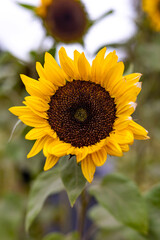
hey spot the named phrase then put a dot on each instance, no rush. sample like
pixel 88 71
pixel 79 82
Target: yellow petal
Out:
pixel 88 168
pixel 40 70
pixel 33 120
pixel 20 110
pixel 37 103
pixel 110 60
pixel 124 137
pixel 113 148
pixel 133 77
pixel 35 133
pixel 37 147
pixel 99 157
pixel 84 67
pixel 82 155
pixel 53 71
pixel 59 149
pixel 122 122
pixel 113 76
pixel 32 86
pixel 138 131
pixel 124 147
pixel 96 66
pixel 68 64
pixel 126 109
pixel 51 160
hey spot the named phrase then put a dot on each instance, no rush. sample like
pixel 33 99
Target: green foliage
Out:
pixel 72 178
pixel 27 6
pixel 103 219
pixel 47 183
pixel 148 56
pixel 58 236
pixel 153 200
pixel 11 216
pixel 120 196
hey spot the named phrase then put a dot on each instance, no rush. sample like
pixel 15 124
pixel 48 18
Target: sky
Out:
pixel 21 31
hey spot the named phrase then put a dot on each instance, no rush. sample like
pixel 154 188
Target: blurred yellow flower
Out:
pixel 81 110
pixel 152 8
pixel 65 20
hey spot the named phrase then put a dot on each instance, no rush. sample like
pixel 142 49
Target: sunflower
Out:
pixel 152 8
pixel 81 110
pixel 65 20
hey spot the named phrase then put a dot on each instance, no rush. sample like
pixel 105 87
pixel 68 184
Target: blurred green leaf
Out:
pixel 47 183
pixel 11 216
pixel 122 234
pixel 153 200
pixel 148 56
pixel 26 6
pixel 103 219
pixel 72 178
pixel 120 196
pixel 59 236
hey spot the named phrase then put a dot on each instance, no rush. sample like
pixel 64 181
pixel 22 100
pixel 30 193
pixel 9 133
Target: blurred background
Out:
pixel 118 24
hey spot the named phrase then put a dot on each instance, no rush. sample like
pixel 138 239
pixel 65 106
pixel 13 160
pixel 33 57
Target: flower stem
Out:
pixel 82 207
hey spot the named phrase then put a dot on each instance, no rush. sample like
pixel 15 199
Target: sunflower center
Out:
pixel 66 19
pixel 82 113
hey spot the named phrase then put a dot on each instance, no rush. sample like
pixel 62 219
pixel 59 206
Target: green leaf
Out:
pixel 29 7
pixel 120 196
pixel 103 219
pixel 72 178
pixel 59 236
pixel 148 56
pixel 46 184
pixel 11 216
pixel 153 201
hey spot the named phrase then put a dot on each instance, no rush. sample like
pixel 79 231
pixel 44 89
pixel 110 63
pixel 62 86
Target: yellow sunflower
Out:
pixel 152 8
pixel 65 20
pixel 81 110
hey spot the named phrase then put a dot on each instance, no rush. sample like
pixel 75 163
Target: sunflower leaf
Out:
pixel 72 178
pixel 153 201
pixel 26 6
pixel 47 183
pixel 120 196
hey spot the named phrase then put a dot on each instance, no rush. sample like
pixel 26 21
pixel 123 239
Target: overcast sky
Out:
pixel 21 32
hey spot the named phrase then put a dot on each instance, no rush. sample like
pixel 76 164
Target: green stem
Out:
pixel 84 200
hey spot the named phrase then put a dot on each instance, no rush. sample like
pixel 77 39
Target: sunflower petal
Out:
pixel 99 157
pixel 53 71
pixel 68 64
pixel 36 102
pixel 124 137
pixel 51 160
pixel 84 67
pixel 82 155
pixel 20 110
pixel 124 147
pixel 35 133
pixel 138 131
pixel 32 86
pixel 37 147
pixel 33 120
pixel 88 168
pixel 59 149
pixel 113 76
pixel 113 148
pixel 96 66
